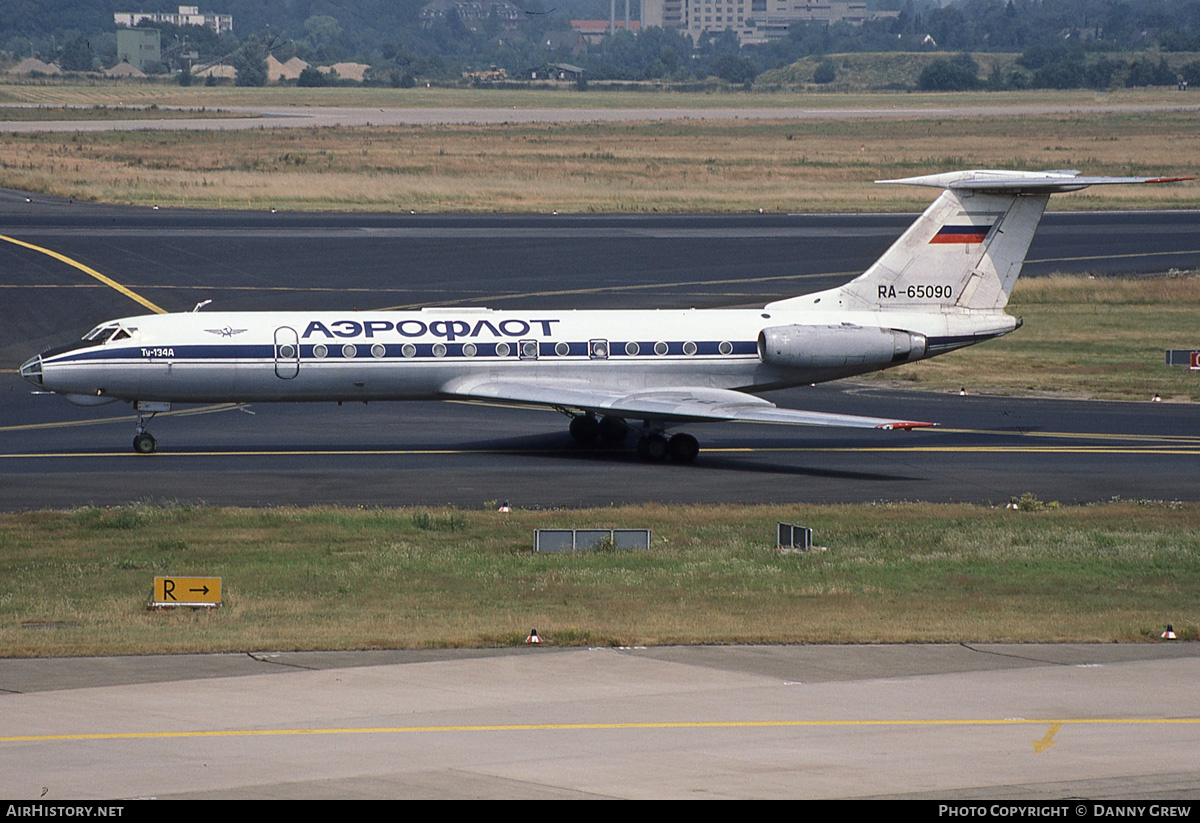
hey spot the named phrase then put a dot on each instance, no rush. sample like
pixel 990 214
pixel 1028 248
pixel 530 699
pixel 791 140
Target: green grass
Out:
pixel 858 72
pixel 901 71
pixel 77 582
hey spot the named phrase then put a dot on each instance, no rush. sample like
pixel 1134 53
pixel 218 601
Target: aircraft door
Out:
pixel 287 353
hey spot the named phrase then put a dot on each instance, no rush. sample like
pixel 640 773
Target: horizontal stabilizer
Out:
pixel 676 405
pixel 1021 182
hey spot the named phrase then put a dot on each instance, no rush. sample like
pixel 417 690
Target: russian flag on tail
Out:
pixel 961 234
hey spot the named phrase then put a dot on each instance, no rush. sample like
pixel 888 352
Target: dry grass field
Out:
pixel 101 114
pixel 649 166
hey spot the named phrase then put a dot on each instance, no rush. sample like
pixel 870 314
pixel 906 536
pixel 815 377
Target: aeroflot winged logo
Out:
pixel 225 332
pixel 447 329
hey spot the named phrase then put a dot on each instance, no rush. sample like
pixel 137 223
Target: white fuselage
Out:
pixel 289 356
pixel 258 356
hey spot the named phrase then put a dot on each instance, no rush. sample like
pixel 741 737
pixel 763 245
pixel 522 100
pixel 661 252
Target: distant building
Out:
pixel 706 17
pixel 593 31
pixel 472 13
pixel 557 71
pixel 754 21
pixel 668 14
pixel 187 16
pixel 139 47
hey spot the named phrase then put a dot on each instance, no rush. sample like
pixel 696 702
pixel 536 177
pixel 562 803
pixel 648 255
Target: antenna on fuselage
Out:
pixel 200 305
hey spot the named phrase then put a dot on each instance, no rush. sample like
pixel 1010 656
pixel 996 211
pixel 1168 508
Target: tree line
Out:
pixel 1063 43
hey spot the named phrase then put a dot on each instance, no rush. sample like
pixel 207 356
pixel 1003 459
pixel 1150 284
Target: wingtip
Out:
pixel 906 425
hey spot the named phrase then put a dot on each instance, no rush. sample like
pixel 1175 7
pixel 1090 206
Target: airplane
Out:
pixel 941 286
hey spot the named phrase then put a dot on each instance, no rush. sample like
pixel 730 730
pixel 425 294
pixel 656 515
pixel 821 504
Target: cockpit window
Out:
pixel 106 333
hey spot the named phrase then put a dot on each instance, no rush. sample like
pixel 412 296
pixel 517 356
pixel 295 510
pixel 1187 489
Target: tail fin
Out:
pixel 967 249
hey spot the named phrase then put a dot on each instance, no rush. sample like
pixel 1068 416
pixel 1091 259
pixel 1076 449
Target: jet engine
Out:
pixel 838 347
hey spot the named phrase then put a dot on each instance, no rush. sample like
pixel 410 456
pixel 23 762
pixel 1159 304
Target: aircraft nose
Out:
pixel 31 370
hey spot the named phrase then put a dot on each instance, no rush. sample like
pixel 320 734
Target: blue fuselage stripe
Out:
pixel 394 351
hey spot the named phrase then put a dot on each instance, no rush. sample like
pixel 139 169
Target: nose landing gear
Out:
pixel 143 441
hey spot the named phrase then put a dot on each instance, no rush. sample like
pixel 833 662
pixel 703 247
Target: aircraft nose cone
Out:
pixel 31 370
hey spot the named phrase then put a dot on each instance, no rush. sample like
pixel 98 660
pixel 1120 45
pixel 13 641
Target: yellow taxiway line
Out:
pixel 1130 256
pixel 88 270
pixel 125 418
pixel 667 287
pixel 526 727
pixel 1103 442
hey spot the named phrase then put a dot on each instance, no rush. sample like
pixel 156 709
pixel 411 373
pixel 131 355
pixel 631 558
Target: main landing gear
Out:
pixel 655 447
pixel 652 447
pixel 611 431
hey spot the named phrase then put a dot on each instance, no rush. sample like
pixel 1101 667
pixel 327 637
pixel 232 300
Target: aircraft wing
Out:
pixel 679 404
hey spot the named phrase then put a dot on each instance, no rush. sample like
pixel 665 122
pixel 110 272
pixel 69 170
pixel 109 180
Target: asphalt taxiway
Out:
pixel 53 454
pixel 952 722
pixel 230 118
pixel 988 450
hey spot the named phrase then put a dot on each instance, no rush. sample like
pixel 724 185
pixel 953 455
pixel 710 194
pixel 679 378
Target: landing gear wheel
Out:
pixel 613 430
pixel 585 428
pixel 145 443
pixel 683 448
pixel 652 447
